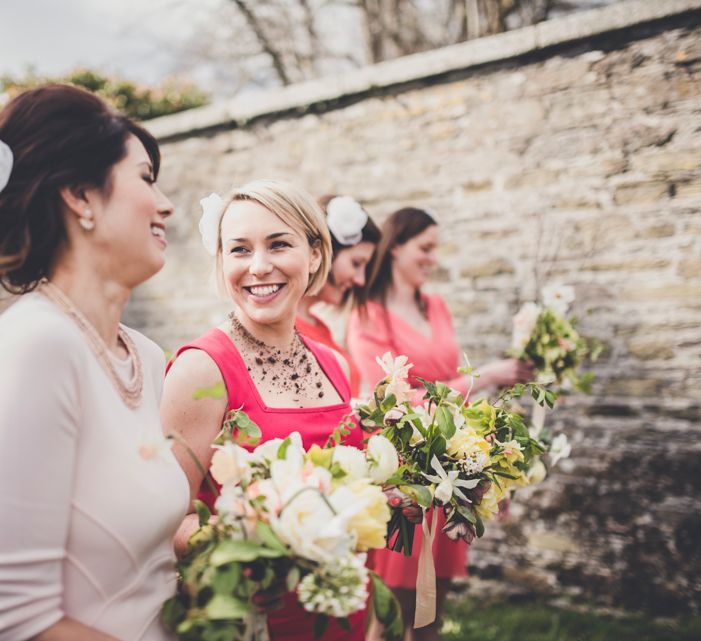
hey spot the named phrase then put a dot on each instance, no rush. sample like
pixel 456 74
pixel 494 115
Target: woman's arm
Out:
pixel 71 630
pixel 195 422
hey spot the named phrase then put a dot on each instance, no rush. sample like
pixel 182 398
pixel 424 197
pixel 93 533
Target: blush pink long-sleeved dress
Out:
pixel 435 358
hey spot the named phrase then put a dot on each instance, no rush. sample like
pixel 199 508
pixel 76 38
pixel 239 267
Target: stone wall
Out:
pixel 578 161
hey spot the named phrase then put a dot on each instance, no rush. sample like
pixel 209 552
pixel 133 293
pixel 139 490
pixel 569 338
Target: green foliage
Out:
pixel 468 620
pixel 135 100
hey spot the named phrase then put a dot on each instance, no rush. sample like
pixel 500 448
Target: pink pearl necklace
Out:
pixel 131 392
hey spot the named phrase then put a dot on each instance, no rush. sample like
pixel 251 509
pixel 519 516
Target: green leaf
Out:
pixel 386 608
pixel 222 607
pixel 320 624
pixel 388 403
pixel 420 493
pixel 269 538
pixel 227 578
pixel 218 390
pixel 445 422
pixel 173 612
pixel 293 577
pixel 203 512
pixel 244 551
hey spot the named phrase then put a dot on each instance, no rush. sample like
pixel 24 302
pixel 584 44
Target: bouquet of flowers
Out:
pixel 456 456
pixel 283 513
pixel 543 334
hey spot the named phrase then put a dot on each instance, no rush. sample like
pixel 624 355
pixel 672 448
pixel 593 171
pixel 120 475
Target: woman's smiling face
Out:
pixel 266 264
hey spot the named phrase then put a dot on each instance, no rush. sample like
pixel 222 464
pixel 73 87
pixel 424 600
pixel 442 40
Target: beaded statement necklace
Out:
pixel 131 392
pixel 283 370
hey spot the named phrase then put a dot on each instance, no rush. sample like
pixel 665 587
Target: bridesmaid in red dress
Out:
pixel 272 248
pixel 400 318
pixel 354 237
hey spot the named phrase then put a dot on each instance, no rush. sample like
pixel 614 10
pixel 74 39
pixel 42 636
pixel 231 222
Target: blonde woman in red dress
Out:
pixel 399 317
pixel 354 237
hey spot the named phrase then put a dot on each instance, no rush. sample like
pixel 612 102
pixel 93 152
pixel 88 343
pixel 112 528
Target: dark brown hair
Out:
pixel 60 136
pixel 401 226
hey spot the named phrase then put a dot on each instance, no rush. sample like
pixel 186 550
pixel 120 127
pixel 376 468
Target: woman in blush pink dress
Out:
pixel 398 317
pixel 354 237
pixel 89 501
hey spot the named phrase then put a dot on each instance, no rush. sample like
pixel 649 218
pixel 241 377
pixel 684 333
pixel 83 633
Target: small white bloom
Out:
pixel 153 445
pixel 448 482
pixel 345 219
pixel 268 452
pixel 6 162
pixel 559 449
pixel 209 222
pixel 537 472
pixel 524 324
pixel 383 460
pixel 397 371
pixel 558 297
pixel 352 462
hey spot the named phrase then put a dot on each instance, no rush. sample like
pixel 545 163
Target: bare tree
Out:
pixel 285 41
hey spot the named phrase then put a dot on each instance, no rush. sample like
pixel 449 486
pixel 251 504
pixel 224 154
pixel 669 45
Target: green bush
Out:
pixel 135 100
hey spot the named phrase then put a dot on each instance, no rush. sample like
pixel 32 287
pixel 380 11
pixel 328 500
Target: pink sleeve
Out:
pixel 367 339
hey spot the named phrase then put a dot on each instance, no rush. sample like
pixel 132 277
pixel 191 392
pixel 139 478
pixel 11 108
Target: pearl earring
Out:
pixel 86 221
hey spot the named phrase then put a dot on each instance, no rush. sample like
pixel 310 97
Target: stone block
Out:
pixel 690 266
pixel 493 267
pixel 648 350
pixel 642 192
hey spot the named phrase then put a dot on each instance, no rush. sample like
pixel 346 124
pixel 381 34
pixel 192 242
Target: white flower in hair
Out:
pixel 6 161
pixel 346 219
pixel 209 222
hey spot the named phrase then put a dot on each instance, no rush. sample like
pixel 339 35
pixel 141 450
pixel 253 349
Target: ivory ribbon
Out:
pixel 426 579
pixel 538 418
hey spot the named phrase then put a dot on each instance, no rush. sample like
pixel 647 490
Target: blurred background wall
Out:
pixel 567 151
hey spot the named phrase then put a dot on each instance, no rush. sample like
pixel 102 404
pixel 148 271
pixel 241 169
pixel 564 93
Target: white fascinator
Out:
pixel 345 219
pixel 209 222
pixel 6 162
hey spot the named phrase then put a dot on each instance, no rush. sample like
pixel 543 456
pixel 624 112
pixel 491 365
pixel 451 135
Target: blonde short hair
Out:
pixel 294 207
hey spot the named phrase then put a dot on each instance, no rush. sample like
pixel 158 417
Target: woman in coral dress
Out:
pixel 272 247
pixel 354 237
pixel 401 319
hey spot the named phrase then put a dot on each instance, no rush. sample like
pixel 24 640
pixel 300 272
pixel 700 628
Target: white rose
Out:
pixel 308 525
pixel 230 463
pixel 268 451
pixel 352 462
pixel 382 457
pixel 558 297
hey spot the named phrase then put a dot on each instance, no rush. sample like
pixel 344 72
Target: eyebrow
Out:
pixel 268 237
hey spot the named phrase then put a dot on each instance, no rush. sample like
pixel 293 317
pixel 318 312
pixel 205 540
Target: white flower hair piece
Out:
pixel 345 219
pixel 6 162
pixel 209 222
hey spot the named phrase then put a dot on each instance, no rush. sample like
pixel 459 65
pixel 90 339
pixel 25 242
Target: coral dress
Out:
pixel 435 358
pixel 314 424
pixel 321 333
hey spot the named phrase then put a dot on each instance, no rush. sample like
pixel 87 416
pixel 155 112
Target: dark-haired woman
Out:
pixel 402 319
pixel 90 498
pixel 354 237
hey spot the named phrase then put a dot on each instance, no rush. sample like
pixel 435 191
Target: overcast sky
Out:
pixel 134 37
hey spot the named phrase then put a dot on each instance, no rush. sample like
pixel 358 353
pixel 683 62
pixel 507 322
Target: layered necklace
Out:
pixel 293 369
pixel 131 392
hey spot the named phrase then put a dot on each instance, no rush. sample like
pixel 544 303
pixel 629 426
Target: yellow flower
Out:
pixel 466 442
pixel 369 524
pixel 489 505
pixel 486 419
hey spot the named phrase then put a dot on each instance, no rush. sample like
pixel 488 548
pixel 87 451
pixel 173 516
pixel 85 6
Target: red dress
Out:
pixel 314 424
pixel 435 358
pixel 321 333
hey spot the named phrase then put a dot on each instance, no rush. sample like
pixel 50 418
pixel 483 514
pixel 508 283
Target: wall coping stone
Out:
pixel 237 111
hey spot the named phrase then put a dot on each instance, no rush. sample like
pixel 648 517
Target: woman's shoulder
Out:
pixel 36 329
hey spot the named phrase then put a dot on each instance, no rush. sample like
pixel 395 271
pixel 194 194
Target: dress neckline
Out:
pixel 430 316
pixel 270 408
